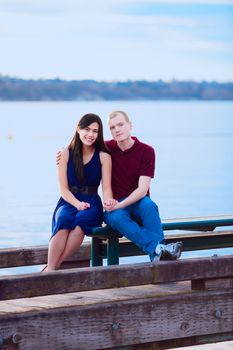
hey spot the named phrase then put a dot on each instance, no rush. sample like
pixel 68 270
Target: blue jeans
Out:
pixel 139 222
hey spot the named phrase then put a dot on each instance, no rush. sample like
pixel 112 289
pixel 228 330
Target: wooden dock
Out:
pixel 125 307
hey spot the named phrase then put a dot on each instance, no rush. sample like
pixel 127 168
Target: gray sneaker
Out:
pixel 155 257
pixel 172 251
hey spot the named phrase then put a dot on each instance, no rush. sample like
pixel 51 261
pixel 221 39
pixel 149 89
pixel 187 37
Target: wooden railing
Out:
pixel 134 306
pixel 106 244
pixel 84 279
pixel 112 252
pixel 128 306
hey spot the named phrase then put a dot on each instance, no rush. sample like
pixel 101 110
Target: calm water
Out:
pixel 194 168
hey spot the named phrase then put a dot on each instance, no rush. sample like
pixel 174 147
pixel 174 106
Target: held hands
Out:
pixel 83 206
pixel 110 204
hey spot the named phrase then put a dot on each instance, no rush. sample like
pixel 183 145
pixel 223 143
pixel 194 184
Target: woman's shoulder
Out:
pixel 64 154
pixel 64 151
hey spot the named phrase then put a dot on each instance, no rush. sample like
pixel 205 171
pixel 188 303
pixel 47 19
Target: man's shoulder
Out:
pixel 110 144
pixel 145 146
pixel 107 142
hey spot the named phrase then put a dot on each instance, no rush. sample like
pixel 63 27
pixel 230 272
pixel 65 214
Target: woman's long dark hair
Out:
pixel 76 145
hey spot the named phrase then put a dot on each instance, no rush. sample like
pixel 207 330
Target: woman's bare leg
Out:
pixel 57 246
pixel 74 241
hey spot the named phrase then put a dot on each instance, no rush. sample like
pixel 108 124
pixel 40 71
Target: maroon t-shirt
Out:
pixel 129 165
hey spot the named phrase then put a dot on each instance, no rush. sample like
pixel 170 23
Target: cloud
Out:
pixel 33 7
pixel 108 40
pixel 54 7
pixel 199 2
pixel 158 20
pixel 211 46
pixel 176 2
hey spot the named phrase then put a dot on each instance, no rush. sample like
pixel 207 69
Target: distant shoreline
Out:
pixel 16 89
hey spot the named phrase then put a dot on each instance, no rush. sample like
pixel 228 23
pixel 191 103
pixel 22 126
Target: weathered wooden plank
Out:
pixel 47 302
pixel 191 242
pixel 122 323
pixel 212 283
pixel 206 223
pixel 196 234
pixel 37 255
pixel 19 286
pixel 182 342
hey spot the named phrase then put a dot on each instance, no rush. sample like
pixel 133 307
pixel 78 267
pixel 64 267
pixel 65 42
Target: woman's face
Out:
pixel 89 134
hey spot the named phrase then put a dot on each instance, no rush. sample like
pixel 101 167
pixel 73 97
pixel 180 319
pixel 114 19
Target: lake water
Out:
pixel 194 167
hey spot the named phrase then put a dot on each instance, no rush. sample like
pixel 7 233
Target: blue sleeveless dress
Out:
pixel 65 215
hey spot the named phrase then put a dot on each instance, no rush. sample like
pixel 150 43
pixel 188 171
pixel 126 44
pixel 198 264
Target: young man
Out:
pixel 135 215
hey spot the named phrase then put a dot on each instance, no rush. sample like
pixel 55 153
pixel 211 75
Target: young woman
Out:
pixel 81 167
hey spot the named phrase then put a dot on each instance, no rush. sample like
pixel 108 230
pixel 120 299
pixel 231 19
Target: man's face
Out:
pixel 120 128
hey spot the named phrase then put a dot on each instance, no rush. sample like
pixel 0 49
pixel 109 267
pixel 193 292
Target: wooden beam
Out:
pixel 204 223
pixel 196 234
pixel 191 242
pixel 19 286
pixel 121 323
pixel 37 255
pixel 182 342
pixel 65 300
pixel 212 283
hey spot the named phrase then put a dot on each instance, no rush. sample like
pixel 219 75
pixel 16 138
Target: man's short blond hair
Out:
pixel 116 113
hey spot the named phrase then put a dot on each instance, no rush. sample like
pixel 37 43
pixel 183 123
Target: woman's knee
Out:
pixel 78 231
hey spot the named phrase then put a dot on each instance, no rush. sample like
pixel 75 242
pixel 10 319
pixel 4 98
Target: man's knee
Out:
pixel 112 218
pixel 146 204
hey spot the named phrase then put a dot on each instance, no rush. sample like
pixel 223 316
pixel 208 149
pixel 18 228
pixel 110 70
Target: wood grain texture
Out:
pixel 37 255
pixel 121 323
pixel 66 281
pixel 212 283
pixel 24 305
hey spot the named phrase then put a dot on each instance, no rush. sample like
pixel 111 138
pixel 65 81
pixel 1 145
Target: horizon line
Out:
pixel 118 81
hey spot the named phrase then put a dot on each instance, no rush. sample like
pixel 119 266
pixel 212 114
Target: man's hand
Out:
pixel 58 157
pixel 109 204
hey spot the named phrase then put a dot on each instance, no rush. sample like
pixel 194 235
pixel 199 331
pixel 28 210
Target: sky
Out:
pixel 117 40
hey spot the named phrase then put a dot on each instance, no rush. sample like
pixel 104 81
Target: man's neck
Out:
pixel 126 144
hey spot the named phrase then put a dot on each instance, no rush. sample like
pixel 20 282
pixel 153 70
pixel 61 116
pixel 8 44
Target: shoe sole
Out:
pixel 157 258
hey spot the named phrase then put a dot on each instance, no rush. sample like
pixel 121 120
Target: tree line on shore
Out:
pixel 16 89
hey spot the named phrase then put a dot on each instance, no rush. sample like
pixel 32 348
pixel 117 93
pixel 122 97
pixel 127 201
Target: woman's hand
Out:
pixel 83 206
